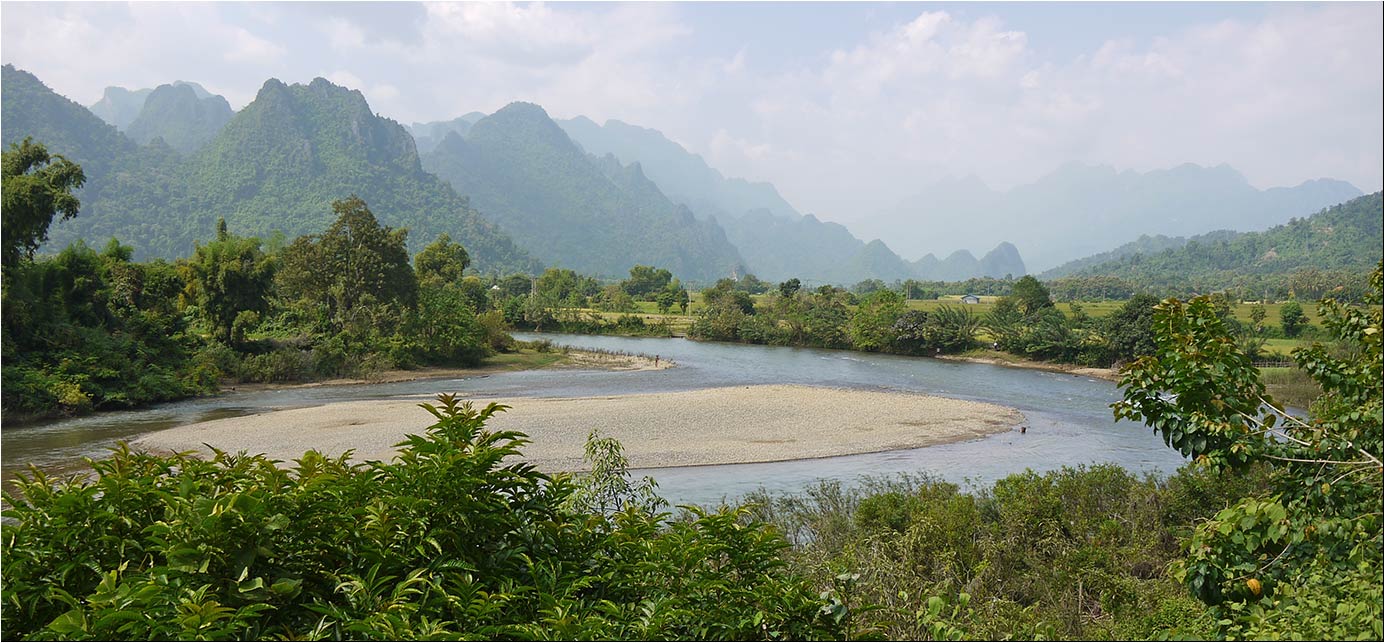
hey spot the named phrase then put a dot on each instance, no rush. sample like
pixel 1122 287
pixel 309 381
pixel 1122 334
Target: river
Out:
pixel 1068 417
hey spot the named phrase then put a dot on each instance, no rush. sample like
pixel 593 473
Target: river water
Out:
pixel 1068 417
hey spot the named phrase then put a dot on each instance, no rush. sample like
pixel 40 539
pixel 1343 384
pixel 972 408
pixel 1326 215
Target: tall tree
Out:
pixel 443 261
pixel 357 261
pixel 1030 295
pixel 226 278
pixel 1292 318
pixel 36 187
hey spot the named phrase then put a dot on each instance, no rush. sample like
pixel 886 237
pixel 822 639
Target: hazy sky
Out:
pixel 844 107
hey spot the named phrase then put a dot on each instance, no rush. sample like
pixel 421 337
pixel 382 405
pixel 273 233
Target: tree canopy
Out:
pixel 1303 558
pixel 37 187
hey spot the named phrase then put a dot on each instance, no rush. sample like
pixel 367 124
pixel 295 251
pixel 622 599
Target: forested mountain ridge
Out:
pixel 1345 237
pixel 683 176
pixel 428 135
pixel 572 209
pixel 31 109
pixel 182 118
pixel 277 165
pixel 1079 210
pixel 1145 245
pixel 120 106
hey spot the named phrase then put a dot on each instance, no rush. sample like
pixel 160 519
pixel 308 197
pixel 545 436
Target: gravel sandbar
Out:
pixel 708 426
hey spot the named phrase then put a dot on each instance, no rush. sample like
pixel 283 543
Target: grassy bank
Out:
pixel 1289 385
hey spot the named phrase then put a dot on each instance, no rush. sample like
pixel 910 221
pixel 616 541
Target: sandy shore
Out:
pixel 709 426
pixel 1019 362
pixel 572 358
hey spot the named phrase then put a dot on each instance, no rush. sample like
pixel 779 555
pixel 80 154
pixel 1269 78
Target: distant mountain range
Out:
pixel 181 117
pixel 164 163
pixel 593 215
pixel 1080 210
pixel 428 135
pixel 776 241
pixel 274 166
pixel 1345 237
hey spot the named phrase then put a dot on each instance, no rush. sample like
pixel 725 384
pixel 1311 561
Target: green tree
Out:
pixel 1302 559
pixel 665 300
pixel 1130 329
pixel 1030 295
pixel 872 326
pixel 789 288
pixel 445 326
pixel 1292 318
pixel 1257 318
pixel 442 261
pixel 36 188
pixel 225 278
pixel 645 281
pixel 356 264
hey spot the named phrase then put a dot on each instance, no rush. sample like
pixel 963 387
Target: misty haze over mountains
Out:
pixel 640 197
pixel 1079 210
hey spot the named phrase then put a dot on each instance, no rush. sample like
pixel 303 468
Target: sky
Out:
pixel 845 107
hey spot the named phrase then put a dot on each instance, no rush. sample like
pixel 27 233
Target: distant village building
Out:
pixel 971 299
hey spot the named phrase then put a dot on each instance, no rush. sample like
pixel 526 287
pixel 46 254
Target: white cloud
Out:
pixel 1290 96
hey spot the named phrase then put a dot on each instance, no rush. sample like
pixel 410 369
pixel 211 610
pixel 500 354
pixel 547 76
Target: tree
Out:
pixel 790 287
pixel 356 264
pixel 36 188
pixel 1292 318
pixel 225 278
pixel 645 281
pixel 565 286
pixel 1130 330
pixel 1302 560
pixel 871 328
pixel 1030 295
pixel 666 299
pixel 441 261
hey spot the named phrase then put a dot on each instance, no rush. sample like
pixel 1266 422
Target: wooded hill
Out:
pixel 276 166
pixel 589 214
pixel 1342 238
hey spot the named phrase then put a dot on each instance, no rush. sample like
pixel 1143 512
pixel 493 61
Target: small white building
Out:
pixel 971 299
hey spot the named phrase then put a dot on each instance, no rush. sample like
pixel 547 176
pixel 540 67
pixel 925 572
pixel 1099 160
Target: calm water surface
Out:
pixel 1069 417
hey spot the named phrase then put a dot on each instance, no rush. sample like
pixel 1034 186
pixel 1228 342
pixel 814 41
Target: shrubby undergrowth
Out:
pixel 455 538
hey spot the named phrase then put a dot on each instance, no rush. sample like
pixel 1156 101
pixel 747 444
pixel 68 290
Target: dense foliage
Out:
pixel 84 330
pixel 1300 558
pixel 452 539
pixel 1069 554
pixel 37 188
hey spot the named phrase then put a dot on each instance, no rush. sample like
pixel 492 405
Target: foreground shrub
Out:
pixel 455 538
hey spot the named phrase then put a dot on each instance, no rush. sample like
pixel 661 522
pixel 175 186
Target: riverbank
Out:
pixel 999 358
pixel 524 359
pixel 730 425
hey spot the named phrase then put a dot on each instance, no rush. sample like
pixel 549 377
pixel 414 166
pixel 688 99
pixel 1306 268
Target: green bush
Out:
pixel 454 538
